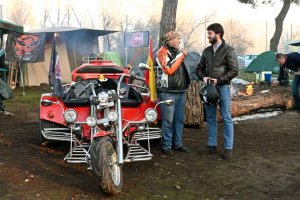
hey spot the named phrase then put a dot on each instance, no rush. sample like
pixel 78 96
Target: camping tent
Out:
pixel 264 62
pixel 297 44
pixel 72 45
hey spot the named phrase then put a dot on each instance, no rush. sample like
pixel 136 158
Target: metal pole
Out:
pixel 0 11
pixel 205 33
pixel 22 79
pixel 126 24
pixel 291 32
pixel 126 59
pixel 119 131
pixel 58 12
pixel 68 17
pixel 44 18
pixel 230 32
pixel 266 35
pixel 291 48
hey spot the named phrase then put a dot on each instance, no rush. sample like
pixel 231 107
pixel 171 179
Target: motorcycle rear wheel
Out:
pixel 104 165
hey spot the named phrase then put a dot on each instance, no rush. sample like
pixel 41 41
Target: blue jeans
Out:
pixel 211 114
pixel 296 89
pixel 172 119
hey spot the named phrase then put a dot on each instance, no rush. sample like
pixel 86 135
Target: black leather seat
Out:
pixel 72 99
pixel 76 102
pixel 131 98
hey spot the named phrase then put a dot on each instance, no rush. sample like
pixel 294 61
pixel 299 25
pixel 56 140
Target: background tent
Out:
pixel 297 44
pixel 264 62
pixel 72 45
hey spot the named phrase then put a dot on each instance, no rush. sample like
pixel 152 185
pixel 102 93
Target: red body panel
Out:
pixel 55 112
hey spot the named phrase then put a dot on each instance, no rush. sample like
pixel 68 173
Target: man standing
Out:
pixel 219 66
pixel 291 61
pixel 172 82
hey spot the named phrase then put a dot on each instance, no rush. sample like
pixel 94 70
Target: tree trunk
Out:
pixel 193 106
pixel 277 97
pixel 279 24
pixel 168 17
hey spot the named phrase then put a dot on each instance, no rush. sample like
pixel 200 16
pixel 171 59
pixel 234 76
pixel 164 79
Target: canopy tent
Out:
pixel 6 27
pixel 264 62
pixel 72 45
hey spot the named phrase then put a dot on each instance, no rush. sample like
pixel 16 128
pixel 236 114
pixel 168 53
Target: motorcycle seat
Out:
pixel 73 100
pixel 133 100
pixel 76 102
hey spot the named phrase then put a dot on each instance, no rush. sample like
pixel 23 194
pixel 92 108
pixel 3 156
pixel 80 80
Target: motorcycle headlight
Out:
pixel 91 121
pixel 112 116
pixel 150 115
pixel 70 116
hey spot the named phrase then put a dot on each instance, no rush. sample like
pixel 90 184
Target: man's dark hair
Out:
pixel 217 28
pixel 280 55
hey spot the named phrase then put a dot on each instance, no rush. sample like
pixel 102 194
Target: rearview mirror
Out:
pixel 169 102
pixel 46 103
pixel 144 66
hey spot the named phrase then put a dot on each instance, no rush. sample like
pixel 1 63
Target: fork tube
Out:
pixel 120 134
pixel 93 113
pixel 120 131
pixel 71 142
pixel 148 137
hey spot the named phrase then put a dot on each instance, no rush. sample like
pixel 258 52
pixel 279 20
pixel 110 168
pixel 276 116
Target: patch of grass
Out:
pixel 29 100
pixel 252 76
pixel 246 76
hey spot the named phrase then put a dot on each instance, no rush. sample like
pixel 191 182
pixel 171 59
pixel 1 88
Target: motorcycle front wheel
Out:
pixel 104 164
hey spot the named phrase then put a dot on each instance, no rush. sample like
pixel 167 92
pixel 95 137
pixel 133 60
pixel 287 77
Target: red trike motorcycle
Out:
pixel 104 109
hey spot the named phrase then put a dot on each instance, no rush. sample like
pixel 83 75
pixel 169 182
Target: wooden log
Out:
pixel 274 98
pixel 193 106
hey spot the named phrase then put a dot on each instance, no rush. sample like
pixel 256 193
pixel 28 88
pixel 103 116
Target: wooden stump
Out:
pixel 193 106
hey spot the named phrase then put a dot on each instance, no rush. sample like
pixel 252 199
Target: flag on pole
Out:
pixel 151 73
pixel 55 71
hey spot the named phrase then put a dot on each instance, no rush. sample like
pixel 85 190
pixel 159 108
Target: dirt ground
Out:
pixel 266 163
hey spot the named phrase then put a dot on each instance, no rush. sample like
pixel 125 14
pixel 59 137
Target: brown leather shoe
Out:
pixel 227 154
pixel 208 150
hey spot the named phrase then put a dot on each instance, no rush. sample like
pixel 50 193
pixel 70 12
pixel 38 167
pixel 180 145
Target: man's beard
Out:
pixel 213 40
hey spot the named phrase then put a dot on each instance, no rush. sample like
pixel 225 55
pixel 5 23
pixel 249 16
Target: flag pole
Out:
pixel 22 78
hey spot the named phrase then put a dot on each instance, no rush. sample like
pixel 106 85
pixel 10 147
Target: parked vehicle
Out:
pixel 105 114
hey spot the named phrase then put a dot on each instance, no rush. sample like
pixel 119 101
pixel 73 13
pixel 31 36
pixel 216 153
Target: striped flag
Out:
pixel 55 72
pixel 151 73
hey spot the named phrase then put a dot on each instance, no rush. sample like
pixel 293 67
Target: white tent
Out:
pixel 37 73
